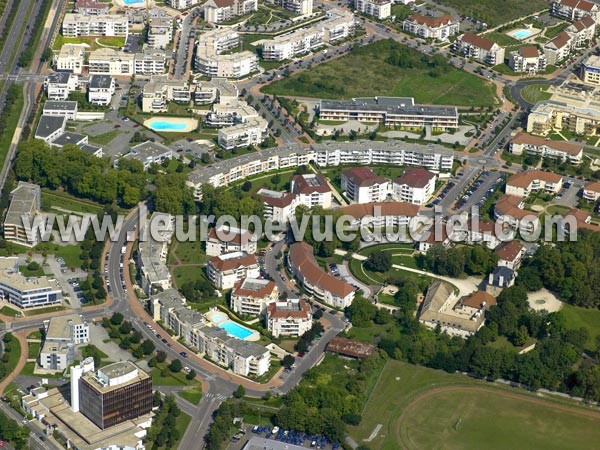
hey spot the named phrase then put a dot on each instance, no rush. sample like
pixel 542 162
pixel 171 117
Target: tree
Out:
pixel 161 356
pixel 191 374
pixel 247 186
pixel 318 314
pixel 288 361
pixel 116 318
pixel 240 392
pixel 125 327
pixel 379 261
pixel 148 347
pixel 175 366
pixel 33 266
pixel 361 312
pixel 156 399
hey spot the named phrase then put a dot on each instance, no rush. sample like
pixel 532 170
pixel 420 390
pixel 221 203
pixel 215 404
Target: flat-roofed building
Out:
pixel 291 317
pixel 300 7
pixel 380 9
pixel 149 153
pixel 109 61
pixel 295 43
pixel 66 109
pixel 60 84
pixel 62 335
pixel 380 214
pixel 546 148
pixel 548 115
pixel 479 48
pixel 101 89
pixel 523 184
pixel 160 32
pixel 91 7
pixel 26 292
pixel 25 206
pixel 210 61
pixel 253 131
pixel 362 185
pixel 415 186
pixel 152 253
pixel 311 190
pixel 216 11
pixel 527 59
pixel 69 138
pixel 227 239
pixel 391 112
pixel 278 207
pixel 440 28
pixel 160 90
pixel 71 57
pixel 150 61
pixel 590 70
pixel 226 270
pixel 251 296
pixel 109 25
pixel 182 4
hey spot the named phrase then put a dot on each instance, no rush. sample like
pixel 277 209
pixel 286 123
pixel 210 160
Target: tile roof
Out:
pixel 593 186
pixel 309 184
pixel 508 251
pixel 478 41
pixel 479 300
pixel 509 205
pixel 529 51
pixel 363 176
pixel 567 147
pixel 415 177
pixel 560 40
pixel 255 288
pixel 430 21
pixel 524 179
pixel 359 210
pixel 284 310
pixel 232 261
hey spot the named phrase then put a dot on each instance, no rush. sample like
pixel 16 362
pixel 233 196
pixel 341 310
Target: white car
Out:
pixel 275 430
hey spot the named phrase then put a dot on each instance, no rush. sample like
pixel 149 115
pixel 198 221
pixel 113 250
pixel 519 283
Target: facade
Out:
pixel 251 132
pixel 50 128
pixel 415 186
pixel 509 212
pixel 591 191
pixel 251 296
pixel 108 25
pixel 440 28
pixel 311 190
pixel 71 57
pixel 292 317
pixel 226 270
pixel 300 7
pixel 380 214
pixel 66 109
pixel 216 11
pixel 582 32
pixel 114 394
pixel 182 4
pixel 108 61
pixel 525 183
pixel 101 89
pixel 278 207
pixel 322 285
pixel 362 185
pixel 574 9
pixel 24 292
pixel 510 254
pixel 62 334
pixel 380 9
pixel 590 71
pixel 559 48
pixel 25 200
pixel 391 112
pixel 479 48
pixel 152 253
pixel 499 279
pixel 290 45
pixel 60 84
pixel 225 239
pixel 527 60
pixel 546 148
pixel 212 63
pixel 91 7
pixel 160 90
pixel 548 115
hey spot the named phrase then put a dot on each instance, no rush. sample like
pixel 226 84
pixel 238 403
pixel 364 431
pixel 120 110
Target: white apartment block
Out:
pixel 66 109
pixel 251 296
pixel 101 88
pixel 546 148
pixel 150 62
pixel 230 112
pixel 311 190
pixel 549 115
pixel 107 61
pixel 440 28
pixel 225 239
pixel 251 132
pixel 298 42
pixel 25 200
pixel 590 70
pixel 362 185
pixel 414 186
pixel 582 31
pixel 210 62
pixel 278 207
pixel 153 250
pixel 527 60
pixel 216 11
pixel 160 90
pixel 182 4
pixel 148 153
pixel 300 7
pixel 160 32
pixel 591 191
pixel 289 318
pixel 523 184
pixel 479 48
pixel 70 58
pixel 62 334
pixel 380 9
pixel 24 292
pixel 60 84
pixel 338 24
pixel 227 270
pixel 91 7
pixel 574 9
pixel 559 48
pixel 109 25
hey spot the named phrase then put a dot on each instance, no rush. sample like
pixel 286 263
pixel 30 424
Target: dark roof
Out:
pixel 49 125
pixel 309 184
pixel 390 105
pixel 59 77
pixel 60 106
pixel 100 81
pixel 415 177
pixel 69 138
pixel 363 176
pixel 477 41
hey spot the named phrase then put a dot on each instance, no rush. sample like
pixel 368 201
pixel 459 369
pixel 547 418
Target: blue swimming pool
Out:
pixel 133 2
pixel 235 330
pixel 521 33
pixel 164 125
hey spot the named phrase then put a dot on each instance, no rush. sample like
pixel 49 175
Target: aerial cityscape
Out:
pixel 288 224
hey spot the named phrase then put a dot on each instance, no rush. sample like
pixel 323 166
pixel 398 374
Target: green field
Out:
pixel 191 395
pixel 54 199
pixel 366 72
pixel 467 414
pixel 494 13
pixel 589 319
pixel 188 252
pixel 535 93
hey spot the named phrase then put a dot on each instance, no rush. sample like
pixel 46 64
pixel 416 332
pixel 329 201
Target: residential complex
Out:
pixel 527 60
pixel 251 296
pixel 160 32
pixel 91 7
pixel 217 11
pixel 212 63
pixel 380 214
pixel 23 211
pixel 75 25
pixel 108 61
pixel 546 148
pixel 300 7
pixel 510 254
pixel 71 58
pixel 292 317
pixel 148 153
pixel 380 9
pixel 391 112
pixel 548 115
pixel 224 239
pixel 60 84
pixel 161 90
pixel 362 185
pixel 414 186
pixel 509 211
pixel 440 28
pixel 311 190
pixel 559 48
pixel 251 132
pixel 61 336
pixel 152 253
pixel 522 184
pixel 226 270
pixel 574 9
pixel 182 4
pixel 278 207
pixel 591 191
pixel 26 292
pixel 479 48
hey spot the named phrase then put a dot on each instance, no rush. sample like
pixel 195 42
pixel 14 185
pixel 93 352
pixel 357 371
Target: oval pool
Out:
pixel 172 124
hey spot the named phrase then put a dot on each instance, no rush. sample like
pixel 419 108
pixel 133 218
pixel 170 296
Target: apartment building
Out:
pixel 382 214
pixel 510 254
pixel 338 24
pixel 590 70
pixel 50 128
pixel 225 239
pixel 251 132
pixel 479 48
pixel 228 269
pixel 278 207
pixel 160 90
pixel 591 191
pixel 251 296
pixel 391 112
pixel 217 11
pixel 67 109
pixel 548 115
pixel 62 334
pixel 107 61
pixel 26 292
pixel 362 185
pixel 525 183
pixel 323 285
pixel 546 148
pixel 107 25
pixel 559 48
pixel 475 232
pixel 414 186
pixel 292 317
pixel 574 9
pixel 527 59
pixel 311 190
pixel 101 88
pixel 152 252
pixel 288 46
pixel 582 32
pixel 70 58
pixel 440 28
pixel 148 153
pixel 210 62
pixel 508 211
pixel 182 4
pixel 59 85
pixel 380 9
pixel 25 200
pixel 300 7
pixel 218 90
pixel 160 32
pixel 91 7
pixel 150 62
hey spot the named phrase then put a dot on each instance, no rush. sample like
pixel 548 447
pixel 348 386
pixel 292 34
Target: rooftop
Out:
pixel 254 287
pixel 275 198
pixel 48 125
pixel 363 176
pixel 24 199
pixel 567 147
pixel 294 309
pixel 100 81
pixel 231 261
pixel 349 347
pixel 415 177
pixel 59 327
pixel 479 300
pixel 524 179
pixel 509 250
pixel 309 184
pixel 389 105
pixel 67 105
pixel 71 138
pixel 478 41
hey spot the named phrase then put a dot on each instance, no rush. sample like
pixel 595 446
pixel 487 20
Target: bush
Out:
pixel 175 366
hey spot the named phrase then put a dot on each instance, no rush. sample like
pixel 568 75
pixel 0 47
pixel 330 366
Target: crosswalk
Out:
pixel 215 397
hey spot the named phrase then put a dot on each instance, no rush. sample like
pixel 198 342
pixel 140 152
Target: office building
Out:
pixel 62 335
pixel 50 127
pixel 26 292
pixel 590 70
pixel 23 211
pixel 67 109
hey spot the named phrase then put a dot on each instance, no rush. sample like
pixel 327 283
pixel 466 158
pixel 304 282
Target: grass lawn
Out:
pixel 461 419
pixel 12 119
pixel 191 395
pixel 189 252
pixel 31 273
pixel 557 209
pixel 55 199
pixel 13 355
pixel 38 311
pixel 502 39
pixel 61 40
pixel 181 423
pixel 8 311
pixel 186 274
pixel 553 31
pixel 115 41
pixel 492 13
pixel 589 319
pixel 33 349
pixel 172 379
pixel 365 72
pixel 106 138
pixel 35 335
pixel 535 93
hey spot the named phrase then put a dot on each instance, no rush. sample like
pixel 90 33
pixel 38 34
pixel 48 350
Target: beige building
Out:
pixel 591 191
pixel 440 28
pixel 251 296
pixel 574 9
pixel 578 117
pixel 546 148
pixel 70 58
pixel 212 63
pixel 527 60
pixel 590 70
pixel 380 9
pixel 225 239
pixel 479 48
pixel 25 201
pixel 216 11
pixel 525 183
pixel 109 25
pixel 160 90
pixel 312 190
pixel 292 317
pixel 559 48
pixel 226 270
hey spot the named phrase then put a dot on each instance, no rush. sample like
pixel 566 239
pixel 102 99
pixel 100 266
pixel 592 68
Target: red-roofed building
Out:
pixel 216 11
pixel 527 59
pixel 415 186
pixel 477 302
pixel 91 7
pixel 536 145
pixel 278 206
pixel 251 296
pixel 510 254
pixel 378 214
pixel 227 270
pixel 479 48
pixel 362 185
pixel 289 318
pixel 525 183
pixel 225 239
pixel 575 9
pixel 558 49
pixel 312 190
pixel 582 31
pixel 591 191
pixel 509 212
pixel 440 28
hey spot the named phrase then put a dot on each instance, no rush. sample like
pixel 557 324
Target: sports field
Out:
pixel 420 408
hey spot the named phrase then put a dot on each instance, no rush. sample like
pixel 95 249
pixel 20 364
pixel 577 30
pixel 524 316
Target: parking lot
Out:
pixel 481 189
pixel 270 433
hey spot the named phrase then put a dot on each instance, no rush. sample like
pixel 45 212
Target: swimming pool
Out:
pixel 172 124
pixel 523 33
pixel 133 2
pixel 235 330
pixel 163 125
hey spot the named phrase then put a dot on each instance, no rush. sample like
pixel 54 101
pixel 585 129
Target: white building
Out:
pixel 292 317
pixel 108 61
pixel 546 148
pixel 523 184
pixel 148 153
pixel 362 185
pixel 226 270
pixel 582 31
pixel 287 46
pixel 62 334
pixel 479 48
pixel 101 89
pixel 160 32
pixel 574 9
pixel 278 207
pixel 508 211
pixel 182 4
pixel 24 292
pixel 160 90
pixel 414 186
pixel 300 7
pixel 591 191
pixel 251 296
pixel 380 9
pixel 109 25
pixel 67 109
pixel 440 28
pixel 60 84
pixel 210 62
pixel 50 127
pixel 225 239
pixel 153 250
pixel 559 48
pixel 311 190
pixel 251 132
pixel 510 254
pixel 25 201
pixel 527 60
pixel 590 70
pixel 216 11
pixel 70 58
pixel 91 7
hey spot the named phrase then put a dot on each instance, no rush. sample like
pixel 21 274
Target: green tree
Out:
pixel 148 347
pixel 379 261
pixel 240 392
pixel 175 366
